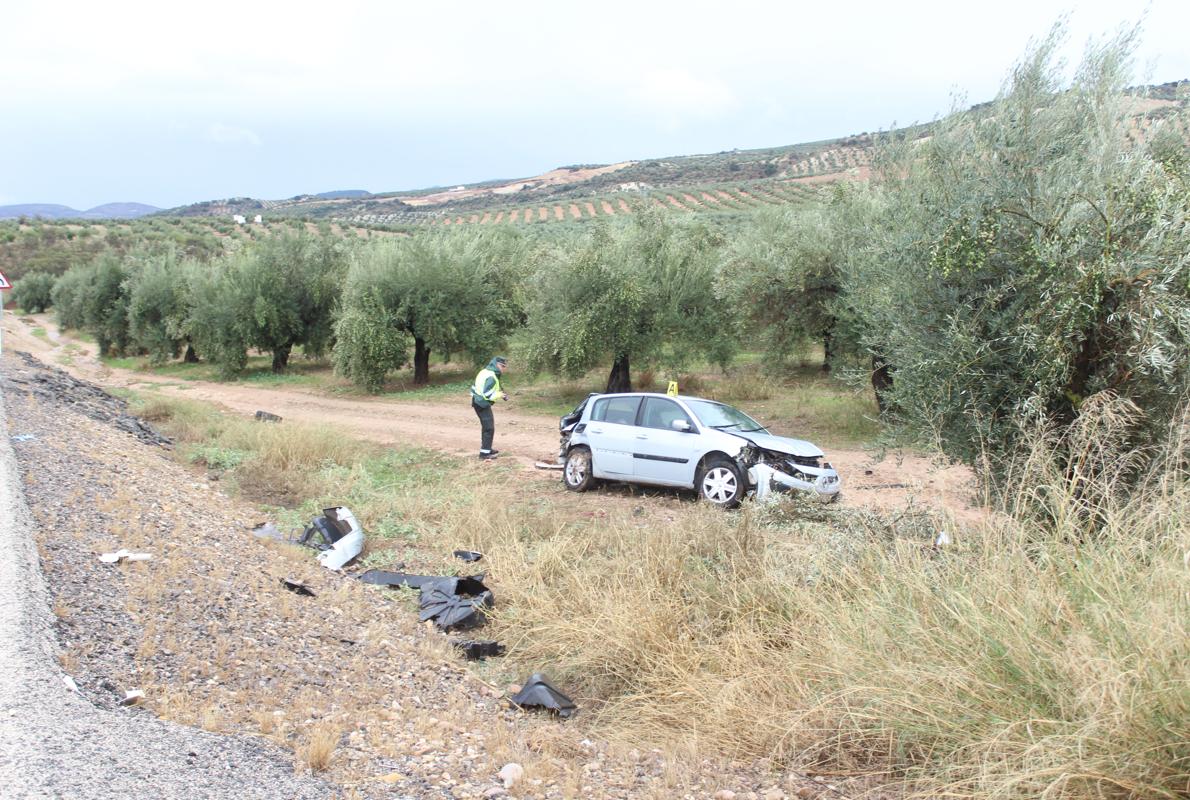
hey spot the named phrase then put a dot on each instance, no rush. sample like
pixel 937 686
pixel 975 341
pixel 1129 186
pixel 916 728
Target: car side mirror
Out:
pixel 681 425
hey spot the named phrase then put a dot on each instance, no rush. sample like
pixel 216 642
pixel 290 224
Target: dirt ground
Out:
pixel 448 424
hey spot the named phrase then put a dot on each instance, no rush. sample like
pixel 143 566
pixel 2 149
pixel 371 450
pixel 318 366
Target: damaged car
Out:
pixel 687 442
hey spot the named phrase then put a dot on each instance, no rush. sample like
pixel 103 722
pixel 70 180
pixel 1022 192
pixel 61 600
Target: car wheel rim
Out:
pixel 576 470
pixel 719 485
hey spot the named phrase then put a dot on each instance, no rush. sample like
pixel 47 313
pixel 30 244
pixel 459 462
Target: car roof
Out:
pixel 655 394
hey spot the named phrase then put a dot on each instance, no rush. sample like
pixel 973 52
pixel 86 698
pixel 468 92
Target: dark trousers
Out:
pixel 487 426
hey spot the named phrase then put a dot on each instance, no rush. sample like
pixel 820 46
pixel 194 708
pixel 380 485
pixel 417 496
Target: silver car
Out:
pixel 711 447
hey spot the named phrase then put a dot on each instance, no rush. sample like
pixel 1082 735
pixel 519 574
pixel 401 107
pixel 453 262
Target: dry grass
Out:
pixel 319 748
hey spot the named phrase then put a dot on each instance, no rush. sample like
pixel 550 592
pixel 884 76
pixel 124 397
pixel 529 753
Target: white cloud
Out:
pixel 227 134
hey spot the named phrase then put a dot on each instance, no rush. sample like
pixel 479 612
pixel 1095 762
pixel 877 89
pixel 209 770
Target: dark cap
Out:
pixel 500 360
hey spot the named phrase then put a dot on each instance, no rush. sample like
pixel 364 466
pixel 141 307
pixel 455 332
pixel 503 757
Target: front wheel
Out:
pixel 576 474
pixel 721 483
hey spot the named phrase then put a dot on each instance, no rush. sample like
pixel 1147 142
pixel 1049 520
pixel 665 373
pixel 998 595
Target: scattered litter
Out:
pixel 23 437
pixel 383 577
pixel 337 533
pixel 123 555
pixel 267 530
pixel 297 587
pixel 470 556
pixel 547 465
pixel 70 684
pixel 474 650
pixel 538 693
pixel 264 416
pixel 455 604
pixel 511 774
pixel 942 540
pixel 132 697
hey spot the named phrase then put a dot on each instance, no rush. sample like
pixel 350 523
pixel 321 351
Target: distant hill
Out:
pixel 54 211
pixel 344 194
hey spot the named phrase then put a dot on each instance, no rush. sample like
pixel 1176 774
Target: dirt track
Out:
pixel 449 425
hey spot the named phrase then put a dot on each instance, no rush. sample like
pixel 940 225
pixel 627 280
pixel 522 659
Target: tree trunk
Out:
pixel 620 380
pixel 882 381
pixel 828 347
pixel 191 356
pixel 421 362
pixel 281 358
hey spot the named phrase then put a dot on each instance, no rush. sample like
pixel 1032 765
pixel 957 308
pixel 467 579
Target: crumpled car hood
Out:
pixel 781 444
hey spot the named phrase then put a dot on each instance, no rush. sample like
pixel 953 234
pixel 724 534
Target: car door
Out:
pixel 611 434
pixel 663 454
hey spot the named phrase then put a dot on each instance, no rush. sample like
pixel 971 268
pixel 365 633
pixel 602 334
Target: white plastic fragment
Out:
pixel 70 684
pixel 347 547
pixel 132 697
pixel 511 774
pixel 124 555
pixel 942 540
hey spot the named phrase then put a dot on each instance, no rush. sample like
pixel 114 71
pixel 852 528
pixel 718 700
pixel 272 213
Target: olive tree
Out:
pixel 158 305
pixel 643 292
pixel 1031 253
pixel 445 291
pixel 34 292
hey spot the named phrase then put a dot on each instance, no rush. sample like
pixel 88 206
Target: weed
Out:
pixel 319 748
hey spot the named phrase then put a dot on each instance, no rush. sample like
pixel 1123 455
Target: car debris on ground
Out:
pixel 123 555
pixel 264 416
pixel 132 697
pixel 455 604
pixel 470 556
pixel 337 534
pixel 538 692
pixel 474 650
pixel 297 587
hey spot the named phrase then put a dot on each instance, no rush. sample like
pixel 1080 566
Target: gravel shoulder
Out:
pixel 55 742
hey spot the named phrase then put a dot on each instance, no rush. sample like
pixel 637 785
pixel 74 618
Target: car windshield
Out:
pixel 724 417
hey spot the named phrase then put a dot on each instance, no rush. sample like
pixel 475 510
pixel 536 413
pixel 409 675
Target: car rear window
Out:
pixel 620 410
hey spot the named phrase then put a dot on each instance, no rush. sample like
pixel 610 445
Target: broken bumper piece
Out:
pixel 539 693
pixel 823 481
pixel 474 650
pixel 455 604
pixel 337 533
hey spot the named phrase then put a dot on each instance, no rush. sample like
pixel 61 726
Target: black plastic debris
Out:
pixel 537 692
pixel 324 530
pixel 455 604
pixel 297 587
pixel 264 416
pixel 383 577
pixel 474 650
pixel 470 556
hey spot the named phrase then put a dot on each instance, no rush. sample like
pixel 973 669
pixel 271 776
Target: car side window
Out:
pixel 661 413
pixel 619 410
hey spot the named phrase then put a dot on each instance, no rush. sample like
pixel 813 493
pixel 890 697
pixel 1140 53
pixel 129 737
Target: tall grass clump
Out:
pixel 1043 654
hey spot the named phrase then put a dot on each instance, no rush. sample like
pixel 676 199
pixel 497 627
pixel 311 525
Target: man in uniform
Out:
pixel 484 392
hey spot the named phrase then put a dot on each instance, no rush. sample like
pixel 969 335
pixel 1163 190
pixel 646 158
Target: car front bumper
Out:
pixel 766 481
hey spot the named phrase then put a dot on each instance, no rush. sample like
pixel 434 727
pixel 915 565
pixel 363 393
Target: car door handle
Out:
pixel 641 436
pixel 597 430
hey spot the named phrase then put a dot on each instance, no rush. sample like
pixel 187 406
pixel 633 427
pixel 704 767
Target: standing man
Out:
pixel 484 392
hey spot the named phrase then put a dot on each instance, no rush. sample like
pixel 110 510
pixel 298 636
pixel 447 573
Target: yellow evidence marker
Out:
pixel 672 391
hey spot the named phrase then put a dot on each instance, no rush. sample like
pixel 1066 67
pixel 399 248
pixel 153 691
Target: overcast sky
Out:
pixel 172 103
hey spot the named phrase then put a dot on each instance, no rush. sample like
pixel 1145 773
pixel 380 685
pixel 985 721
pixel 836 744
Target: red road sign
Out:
pixel 4 284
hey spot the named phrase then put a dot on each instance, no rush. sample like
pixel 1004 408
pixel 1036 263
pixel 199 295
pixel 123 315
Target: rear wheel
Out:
pixel 721 482
pixel 576 474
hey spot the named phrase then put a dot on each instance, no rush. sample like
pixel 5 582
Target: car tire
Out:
pixel 576 472
pixel 721 482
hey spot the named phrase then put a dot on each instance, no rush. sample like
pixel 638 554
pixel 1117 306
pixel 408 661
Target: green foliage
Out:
pixel 640 292
pixel 69 295
pixel 215 320
pixel 157 305
pixel 1028 255
pixel 448 292
pixel 105 305
pixel 289 288
pixel 34 292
